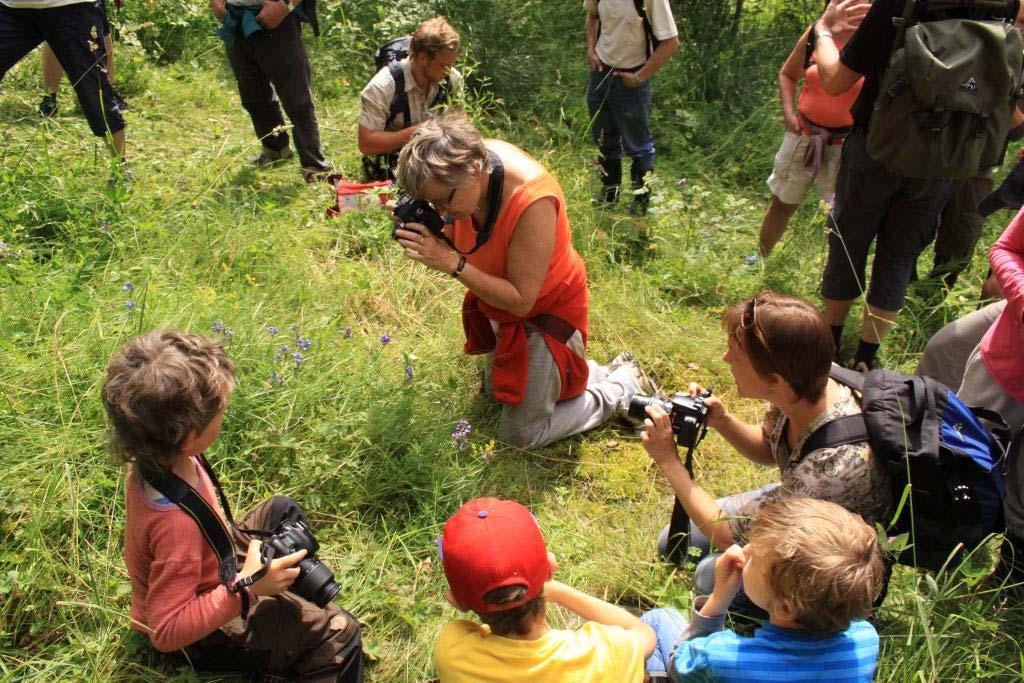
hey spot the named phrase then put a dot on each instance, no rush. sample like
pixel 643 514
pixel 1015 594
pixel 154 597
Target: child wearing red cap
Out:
pixel 497 566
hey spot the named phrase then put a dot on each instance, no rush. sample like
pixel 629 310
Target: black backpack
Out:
pixel 941 458
pixel 389 55
pixel 652 42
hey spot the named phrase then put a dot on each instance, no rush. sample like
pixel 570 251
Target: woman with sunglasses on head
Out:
pixel 509 243
pixel 780 349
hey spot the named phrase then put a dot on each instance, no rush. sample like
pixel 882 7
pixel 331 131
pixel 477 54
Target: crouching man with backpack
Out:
pixel 912 133
pixel 415 75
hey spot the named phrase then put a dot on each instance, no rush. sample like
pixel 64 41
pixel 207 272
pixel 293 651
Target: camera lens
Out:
pixel 316 582
pixel 638 406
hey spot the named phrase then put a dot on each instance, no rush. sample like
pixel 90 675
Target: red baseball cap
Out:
pixel 491 543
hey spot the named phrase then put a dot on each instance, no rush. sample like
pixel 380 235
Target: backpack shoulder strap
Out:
pixel 838 432
pixel 847 377
pixel 652 42
pixel 443 88
pixel 400 102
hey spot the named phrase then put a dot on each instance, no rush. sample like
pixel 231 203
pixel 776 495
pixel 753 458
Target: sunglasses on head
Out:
pixel 748 323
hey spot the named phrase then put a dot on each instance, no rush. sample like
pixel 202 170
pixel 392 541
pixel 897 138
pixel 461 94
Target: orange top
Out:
pixel 563 294
pixel 177 596
pixel 821 108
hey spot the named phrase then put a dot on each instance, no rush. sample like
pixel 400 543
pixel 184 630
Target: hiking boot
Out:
pixel 271 157
pixel 641 193
pixel 314 174
pixel 611 181
pixel 48 105
pixel 863 367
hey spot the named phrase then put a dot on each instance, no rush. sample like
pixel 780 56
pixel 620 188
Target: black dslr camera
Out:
pixel 412 210
pixel 315 581
pixel 688 413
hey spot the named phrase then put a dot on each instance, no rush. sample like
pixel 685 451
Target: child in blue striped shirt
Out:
pixel 816 568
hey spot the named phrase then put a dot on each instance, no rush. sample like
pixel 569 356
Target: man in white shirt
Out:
pixel 391 114
pixel 627 42
pixel 74 30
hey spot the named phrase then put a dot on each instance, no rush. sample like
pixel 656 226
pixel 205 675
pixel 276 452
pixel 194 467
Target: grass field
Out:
pixel 360 430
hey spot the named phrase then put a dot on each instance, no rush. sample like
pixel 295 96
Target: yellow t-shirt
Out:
pixel 467 652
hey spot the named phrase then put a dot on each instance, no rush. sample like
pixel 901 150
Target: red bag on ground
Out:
pixel 358 196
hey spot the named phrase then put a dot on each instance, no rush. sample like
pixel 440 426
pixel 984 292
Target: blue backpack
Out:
pixel 940 455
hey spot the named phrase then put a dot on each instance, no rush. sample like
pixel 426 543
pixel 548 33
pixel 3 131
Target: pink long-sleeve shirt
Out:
pixel 177 597
pixel 1002 344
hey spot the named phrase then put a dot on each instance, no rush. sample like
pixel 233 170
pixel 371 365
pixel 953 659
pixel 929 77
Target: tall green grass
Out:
pixel 360 431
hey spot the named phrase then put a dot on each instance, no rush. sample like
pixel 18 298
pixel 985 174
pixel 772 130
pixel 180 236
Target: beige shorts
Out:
pixel 790 181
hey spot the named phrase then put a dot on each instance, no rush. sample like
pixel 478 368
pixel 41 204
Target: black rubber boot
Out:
pixel 611 180
pixel 641 193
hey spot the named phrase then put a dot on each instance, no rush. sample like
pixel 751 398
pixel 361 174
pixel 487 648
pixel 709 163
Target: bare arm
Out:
pixel 593 22
pixel 840 17
pixel 790 75
pixel 382 141
pixel 661 54
pixel 529 255
pixel 595 609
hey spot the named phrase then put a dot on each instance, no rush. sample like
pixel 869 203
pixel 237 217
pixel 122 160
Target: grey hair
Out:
pixel 446 149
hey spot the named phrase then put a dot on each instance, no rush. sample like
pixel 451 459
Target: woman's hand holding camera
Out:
pixel 658 439
pixel 717 414
pixel 420 245
pixel 281 572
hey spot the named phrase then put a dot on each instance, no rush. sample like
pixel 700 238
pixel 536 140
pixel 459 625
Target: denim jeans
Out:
pixel 667 625
pixel 620 120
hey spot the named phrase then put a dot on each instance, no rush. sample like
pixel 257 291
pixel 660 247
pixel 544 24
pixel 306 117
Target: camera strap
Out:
pixel 679 522
pixel 213 528
pixel 494 191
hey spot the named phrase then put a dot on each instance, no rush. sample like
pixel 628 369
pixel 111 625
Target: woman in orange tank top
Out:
pixel 509 243
pixel 816 125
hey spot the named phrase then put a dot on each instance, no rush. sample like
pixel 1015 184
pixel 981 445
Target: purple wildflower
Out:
pixel 128 287
pixel 276 379
pixel 130 305
pixel 681 183
pixel 461 434
pixel 410 374
pixel 272 330
pixel 298 358
pixel 218 327
pixel 346 332
pixel 385 339
pixel 304 343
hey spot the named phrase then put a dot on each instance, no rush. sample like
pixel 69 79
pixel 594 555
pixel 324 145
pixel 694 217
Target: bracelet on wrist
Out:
pixel 458 268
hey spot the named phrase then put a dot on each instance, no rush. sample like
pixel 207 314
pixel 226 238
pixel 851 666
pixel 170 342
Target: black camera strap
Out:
pixel 213 528
pixel 494 191
pixel 679 522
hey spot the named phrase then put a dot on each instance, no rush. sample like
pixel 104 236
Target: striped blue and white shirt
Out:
pixel 779 654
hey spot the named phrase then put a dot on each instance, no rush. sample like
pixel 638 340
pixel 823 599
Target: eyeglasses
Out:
pixel 748 322
pixel 446 204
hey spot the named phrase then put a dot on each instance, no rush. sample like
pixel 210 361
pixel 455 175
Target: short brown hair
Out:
pixel 516 621
pixel 433 36
pixel 822 559
pixel 784 335
pixel 161 387
pixel 446 149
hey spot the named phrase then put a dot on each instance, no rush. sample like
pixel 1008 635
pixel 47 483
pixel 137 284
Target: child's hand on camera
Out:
pixel 716 409
pixel 658 439
pixel 280 575
pixel 728 577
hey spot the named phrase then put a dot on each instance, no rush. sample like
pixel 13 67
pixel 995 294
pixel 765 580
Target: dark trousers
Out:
pixel 272 71
pixel 285 635
pixel 960 225
pixel 873 205
pixel 75 34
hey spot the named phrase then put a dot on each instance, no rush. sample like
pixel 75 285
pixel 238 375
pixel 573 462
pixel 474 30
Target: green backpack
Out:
pixel 945 103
